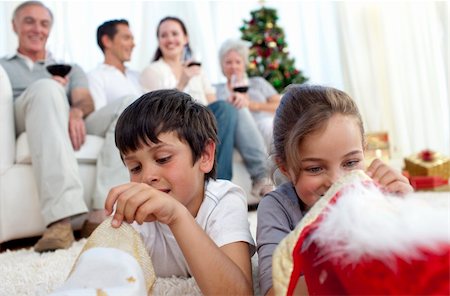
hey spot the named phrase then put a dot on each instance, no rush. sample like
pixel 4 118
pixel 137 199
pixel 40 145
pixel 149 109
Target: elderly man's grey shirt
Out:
pixel 22 75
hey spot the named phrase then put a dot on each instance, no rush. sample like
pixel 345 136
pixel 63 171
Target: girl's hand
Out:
pixel 392 180
pixel 187 74
pixel 239 100
pixel 141 203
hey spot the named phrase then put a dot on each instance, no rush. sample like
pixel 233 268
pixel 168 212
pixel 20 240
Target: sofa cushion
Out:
pixel 7 132
pixel 87 154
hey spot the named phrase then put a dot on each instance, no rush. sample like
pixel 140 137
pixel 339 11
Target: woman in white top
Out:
pixel 169 70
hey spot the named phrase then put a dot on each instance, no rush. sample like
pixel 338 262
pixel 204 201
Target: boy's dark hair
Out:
pixel 164 111
pixel 108 28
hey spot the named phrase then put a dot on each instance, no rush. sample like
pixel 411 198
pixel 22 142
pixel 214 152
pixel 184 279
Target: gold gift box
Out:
pixel 428 163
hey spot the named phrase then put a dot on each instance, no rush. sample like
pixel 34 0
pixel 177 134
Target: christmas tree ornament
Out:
pixel 276 82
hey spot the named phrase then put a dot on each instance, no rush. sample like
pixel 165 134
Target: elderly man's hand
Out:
pixel 77 129
pixel 62 80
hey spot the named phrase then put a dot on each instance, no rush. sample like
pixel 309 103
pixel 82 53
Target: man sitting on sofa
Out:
pixel 56 112
pixel 112 80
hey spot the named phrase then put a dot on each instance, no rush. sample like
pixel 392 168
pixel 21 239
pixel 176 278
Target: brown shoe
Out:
pixel 88 228
pixel 57 236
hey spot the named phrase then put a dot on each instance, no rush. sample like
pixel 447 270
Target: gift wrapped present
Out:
pixel 428 163
pixel 377 146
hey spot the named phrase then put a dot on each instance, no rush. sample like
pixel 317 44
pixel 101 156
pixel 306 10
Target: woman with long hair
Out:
pixel 169 70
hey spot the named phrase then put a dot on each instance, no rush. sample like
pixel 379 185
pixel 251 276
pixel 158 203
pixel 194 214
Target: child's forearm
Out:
pixel 214 272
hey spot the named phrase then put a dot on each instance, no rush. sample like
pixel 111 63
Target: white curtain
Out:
pixel 395 56
pixel 391 57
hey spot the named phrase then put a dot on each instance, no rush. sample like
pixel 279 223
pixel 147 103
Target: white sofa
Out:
pixel 20 215
pixel 19 204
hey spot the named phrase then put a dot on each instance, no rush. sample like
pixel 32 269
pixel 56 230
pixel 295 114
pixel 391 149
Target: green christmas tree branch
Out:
pixel 268 55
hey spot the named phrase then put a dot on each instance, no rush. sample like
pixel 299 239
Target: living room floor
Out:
pixel 29 242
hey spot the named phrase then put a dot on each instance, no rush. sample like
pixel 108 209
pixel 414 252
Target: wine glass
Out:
pixel 188 56
pixel 59 69
pixel 239 82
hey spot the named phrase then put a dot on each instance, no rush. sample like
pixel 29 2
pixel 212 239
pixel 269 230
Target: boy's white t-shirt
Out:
pixel 222 215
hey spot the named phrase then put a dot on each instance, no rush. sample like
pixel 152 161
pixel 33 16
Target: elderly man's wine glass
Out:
pixel 59 69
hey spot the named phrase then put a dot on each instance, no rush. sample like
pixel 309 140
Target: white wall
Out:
pixel 390 56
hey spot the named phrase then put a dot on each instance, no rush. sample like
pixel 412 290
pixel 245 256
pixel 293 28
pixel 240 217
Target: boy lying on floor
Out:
pixel 190 223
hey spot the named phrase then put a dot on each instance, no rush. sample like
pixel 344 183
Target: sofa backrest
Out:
pixel 7 128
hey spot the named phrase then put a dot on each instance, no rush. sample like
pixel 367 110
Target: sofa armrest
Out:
pixel 7 128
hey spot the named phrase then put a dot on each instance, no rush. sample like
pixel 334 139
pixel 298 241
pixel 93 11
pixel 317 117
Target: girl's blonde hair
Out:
pixel 303 110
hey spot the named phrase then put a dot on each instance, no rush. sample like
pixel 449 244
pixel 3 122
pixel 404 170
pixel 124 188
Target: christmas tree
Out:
pixel 268 55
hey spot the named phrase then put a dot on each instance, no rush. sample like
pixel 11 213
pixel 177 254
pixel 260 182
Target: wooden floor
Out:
pixel 16 244
pixel 26 243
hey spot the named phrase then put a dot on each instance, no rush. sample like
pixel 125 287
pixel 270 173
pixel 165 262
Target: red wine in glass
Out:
pixel 187 56
pixel 240 89
pixel 239 83
pixel 194 64
pixel 59 69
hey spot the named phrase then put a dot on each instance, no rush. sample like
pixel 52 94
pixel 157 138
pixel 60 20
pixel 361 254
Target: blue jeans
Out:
pixel 250 144
pixel 226 117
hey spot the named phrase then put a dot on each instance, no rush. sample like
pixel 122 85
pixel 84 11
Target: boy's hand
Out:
pixel 141 203
pixel 389 178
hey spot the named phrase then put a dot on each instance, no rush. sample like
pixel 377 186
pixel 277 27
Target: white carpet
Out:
pixel 25 272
